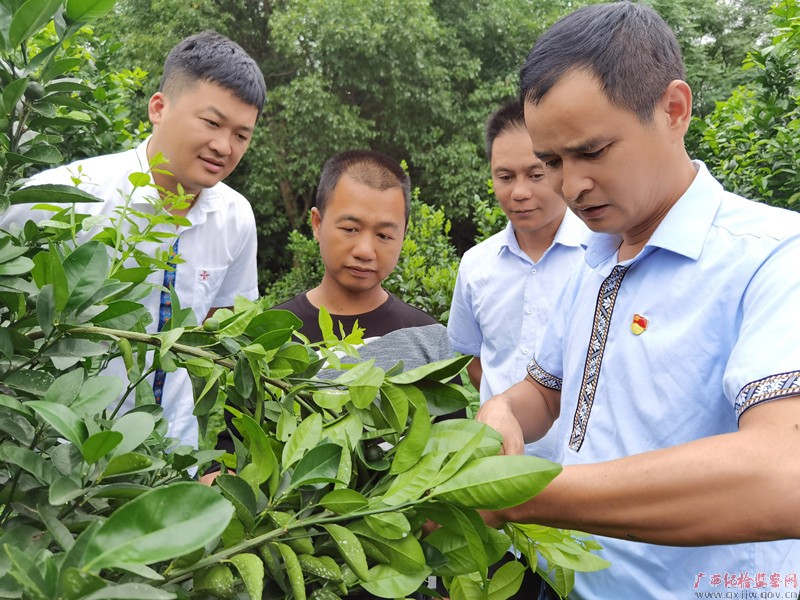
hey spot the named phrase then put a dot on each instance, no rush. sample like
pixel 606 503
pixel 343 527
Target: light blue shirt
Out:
pixel 503 300
pixel 718 284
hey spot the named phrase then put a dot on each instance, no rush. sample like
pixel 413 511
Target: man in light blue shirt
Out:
pixel 672 358
pixel 508 284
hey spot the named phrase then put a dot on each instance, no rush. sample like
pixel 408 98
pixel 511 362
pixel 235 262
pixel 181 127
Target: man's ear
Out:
pixel 156 106
pixel 677 105
pixel 316 221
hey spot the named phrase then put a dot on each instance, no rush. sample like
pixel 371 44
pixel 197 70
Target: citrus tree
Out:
pixel 331 481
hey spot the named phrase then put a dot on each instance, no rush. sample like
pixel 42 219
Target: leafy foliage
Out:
pixel 750 141
pixel 334 478
pixel 54 84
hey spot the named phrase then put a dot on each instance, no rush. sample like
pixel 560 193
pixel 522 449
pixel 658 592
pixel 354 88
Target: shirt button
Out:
pixel 533 271
pixel 529 310
pixel 524 350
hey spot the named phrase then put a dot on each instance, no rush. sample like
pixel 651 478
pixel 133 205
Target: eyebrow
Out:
pixel 222 116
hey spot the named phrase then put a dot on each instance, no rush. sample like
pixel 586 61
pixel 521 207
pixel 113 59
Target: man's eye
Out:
pixel 211 123
pixel 595 154
pixel 553 163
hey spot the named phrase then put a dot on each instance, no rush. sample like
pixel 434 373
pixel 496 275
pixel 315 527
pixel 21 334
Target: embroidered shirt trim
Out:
pixel 604 309
pixel 768 388
pixel 541 376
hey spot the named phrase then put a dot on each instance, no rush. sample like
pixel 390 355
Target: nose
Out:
pixel 522 189
pixel 221 143
pixel 364 248
pixel 571 181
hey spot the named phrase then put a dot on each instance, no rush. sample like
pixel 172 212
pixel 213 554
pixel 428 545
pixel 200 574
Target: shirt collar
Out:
pixel 571 233
pixel 684 228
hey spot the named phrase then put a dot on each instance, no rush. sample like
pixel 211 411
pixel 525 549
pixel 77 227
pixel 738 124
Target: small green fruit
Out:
pixel 374 453
pixel 211 324
pixel 34 91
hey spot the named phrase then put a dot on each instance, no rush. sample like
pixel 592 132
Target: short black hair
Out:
pixel 374 169
pixel 509 116
pixel 211 57
pixel 627 46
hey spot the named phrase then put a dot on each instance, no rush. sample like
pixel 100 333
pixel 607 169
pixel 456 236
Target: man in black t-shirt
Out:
pixel 359 221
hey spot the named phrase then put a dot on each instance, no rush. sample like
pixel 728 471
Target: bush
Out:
pixel 751 141
pixel 97 505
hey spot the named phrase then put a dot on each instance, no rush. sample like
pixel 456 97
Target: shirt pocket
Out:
pixel 207 282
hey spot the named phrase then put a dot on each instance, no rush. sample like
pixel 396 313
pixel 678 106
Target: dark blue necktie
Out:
pixel 164 315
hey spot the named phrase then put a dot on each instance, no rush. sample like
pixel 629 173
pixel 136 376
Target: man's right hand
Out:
pixel 496 412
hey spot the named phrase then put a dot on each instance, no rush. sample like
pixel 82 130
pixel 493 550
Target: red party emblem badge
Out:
pixel 638 325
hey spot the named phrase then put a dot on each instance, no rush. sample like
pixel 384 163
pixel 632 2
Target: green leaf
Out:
pixel 58 278
pixel 272 328
pixel 343 501
pixel 294 571
pixel 306 436
pixel 394 404
pixel 465 588
pixel 16 266
pixel 62 419
pixel 11 95
pixel 320 465
pixel 507 580
pixel 460 458
pixel 363 381
pixel 495 482
pixel 386 582
pixel 251 571
pixel 241 495
pixel 96 395
pixel 403 553
pixel 349 548
pixel 99 444
pixel 130 591
pixel 160 525
pixel 33 382
pixel 51 193
pixel 86 270
pixel 217 581
pixel 139 179
pixel 32 462
pixel 61 534
pixel 168 339
pixel 83 11
pixel 392 526
pixel 443 370
pixel 453 435
pixel 130 462
pixel 66 388
pixel 414 482
pixel 323 567
pixel 331 399
pixel 62 490
pixel 263 458
pixel 135 427
pixel 410 449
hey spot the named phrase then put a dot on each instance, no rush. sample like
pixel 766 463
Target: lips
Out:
pixel 213 164
pixel 358 271
pixel 589 210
